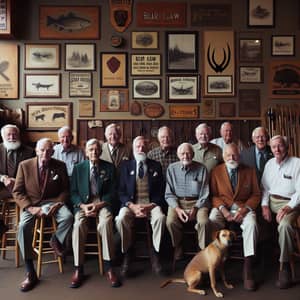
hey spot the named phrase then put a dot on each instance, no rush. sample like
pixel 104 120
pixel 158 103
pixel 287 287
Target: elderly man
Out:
pixel 41 187
pixel 141 194
pixel 257 155
pixel 165 153
pixel 281 197
pixel 187 194
pixel 235 195
pixel 206 153
pixel 226 132
pixel 92 192
pixel 66 151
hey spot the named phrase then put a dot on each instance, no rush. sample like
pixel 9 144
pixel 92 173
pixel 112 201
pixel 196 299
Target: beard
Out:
pixel 140 156
pixel 231 164
pixel 186 162
pixel 12 145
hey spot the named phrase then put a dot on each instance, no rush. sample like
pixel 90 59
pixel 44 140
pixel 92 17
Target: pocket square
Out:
pixel 132 172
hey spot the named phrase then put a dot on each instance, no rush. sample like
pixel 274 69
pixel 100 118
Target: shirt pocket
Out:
pixel 195 188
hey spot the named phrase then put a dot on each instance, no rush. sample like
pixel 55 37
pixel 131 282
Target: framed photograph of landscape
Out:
pixel 249 103
pixel 80 57
pixel 80 84
pixel 48 116
pixel 219 85
pixel 144 40
pixel 251 74
pixel 145 64
pixel 183 88
pixel 283 45
pixel 146 88
pixel 114 100
pixel 261 13
pixel 69 22
pixel 42 85
pixel 42 56
pixel 86 108
pixel 182 51
pixel 251 51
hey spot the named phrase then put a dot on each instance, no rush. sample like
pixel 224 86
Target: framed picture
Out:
pixel 261 13
pixel 113 69
pixel 283 45
pixel 6 18
pixel 9 70
pixel 182 51
pixel 146 88
pixel 227 109
pixel 144 40
pixel 249 74
pixel 249 103
pixel 69 22
pixel 208 108
pixel 48 116
pixel 42 85
pixel 42 56
pixel 86 108
pixel 145 64
pixel 112 100
pixel 183 88
pixel 80 84
pixel 80 57
pixel 183 111
pixel 251 50
pixel 219 85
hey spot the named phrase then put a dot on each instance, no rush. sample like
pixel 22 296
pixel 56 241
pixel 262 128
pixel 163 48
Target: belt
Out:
pixel 188 198
pixel 278 197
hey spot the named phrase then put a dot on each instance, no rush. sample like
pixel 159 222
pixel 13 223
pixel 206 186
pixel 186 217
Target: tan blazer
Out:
pixel 247 192
pixel 27 190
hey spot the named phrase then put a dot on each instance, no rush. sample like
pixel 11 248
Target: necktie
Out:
pixel 114 154
pixel 42 175
pixel 262 161
pixel 10 164
pixel 141 170
pixel 233 178
pixel 94 181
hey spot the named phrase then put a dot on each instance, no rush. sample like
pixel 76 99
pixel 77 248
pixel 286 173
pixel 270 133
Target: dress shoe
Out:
pixel 249 283
pixel 56 246
pixel 125 265
pixel 29 282
pixel 284 277
pixel 112 278
pixel 77 279
pixel 156 266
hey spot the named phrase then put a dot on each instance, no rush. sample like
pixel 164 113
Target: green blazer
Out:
pixel 80 183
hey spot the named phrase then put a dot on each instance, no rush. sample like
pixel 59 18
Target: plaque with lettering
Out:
pixel 184 111
pixel 145 64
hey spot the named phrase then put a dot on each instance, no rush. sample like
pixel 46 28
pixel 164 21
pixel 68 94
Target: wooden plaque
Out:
pixel 184 111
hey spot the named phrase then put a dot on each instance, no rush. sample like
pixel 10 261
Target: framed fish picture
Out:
pixel 69 22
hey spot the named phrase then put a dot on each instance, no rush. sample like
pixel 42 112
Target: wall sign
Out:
pixel 145 64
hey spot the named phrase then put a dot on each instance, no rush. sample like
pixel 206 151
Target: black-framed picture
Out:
pixel 144 40
pixel 146 88
pixel 80 84
pixel 261 13
pixel 145 64
pixel 283 45
pixel 251 74
pixel 182 51
pixel 183 88
pixel 80 57
pixel 251 50
pixel 219 85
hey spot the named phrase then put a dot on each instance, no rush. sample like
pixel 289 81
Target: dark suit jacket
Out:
pixel 127 187
pixel 248 158
pixel 27 190
pixel 80 183
pixel 247 192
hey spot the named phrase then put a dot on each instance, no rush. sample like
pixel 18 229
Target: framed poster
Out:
pixel 145 64
pixel 113 69
pixel 219 85
pixel 144 40
pixel 48 116
pixel 283 45
pixel 227 109
pixel 249 103
pixel 80 57
pixel 183 111
pixel 86 108
pixel 183 88
pixel 261 13
pixel 112 100
pixel 208 108
pixel 80 84
pixel 69 22
pixel 42 85
pixel 146 89
pixel 249 74
pixel 42 56
pixel 182 51
pixel 251 51
pixel 9 70
pixel 6 18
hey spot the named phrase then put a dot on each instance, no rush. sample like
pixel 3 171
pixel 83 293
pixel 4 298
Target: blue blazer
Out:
pixel 127 186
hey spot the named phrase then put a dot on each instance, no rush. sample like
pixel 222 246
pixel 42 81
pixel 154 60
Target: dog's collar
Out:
pixel 215 242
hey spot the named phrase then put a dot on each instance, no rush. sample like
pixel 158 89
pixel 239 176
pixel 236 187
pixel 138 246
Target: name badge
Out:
pixel 287 177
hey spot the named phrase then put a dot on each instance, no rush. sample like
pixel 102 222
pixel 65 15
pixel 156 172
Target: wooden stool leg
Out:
pixel 40 245
pixel 5 214
pixel 100 258
pixel 17 250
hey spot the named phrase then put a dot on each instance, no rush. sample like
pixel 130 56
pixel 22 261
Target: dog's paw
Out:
pixel 219 294
pixel 229 286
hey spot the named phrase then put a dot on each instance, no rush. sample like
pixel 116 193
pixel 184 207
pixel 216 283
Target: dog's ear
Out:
pixel 233 234
pixel 216 235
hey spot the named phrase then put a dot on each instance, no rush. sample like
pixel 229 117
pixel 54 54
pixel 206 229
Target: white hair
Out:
pixel 205 126
pixel 9 126
pixel 136 139
pixel 160 129
pixel 112 126
pixel 186 145
pixel 282 138
pixel 92 142
pixel 63 129
pixel 43 141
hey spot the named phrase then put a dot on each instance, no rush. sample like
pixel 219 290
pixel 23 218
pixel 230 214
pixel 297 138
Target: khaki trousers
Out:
pixel 104 229
pixel 175 226
pixel 285 229
pixel 125 223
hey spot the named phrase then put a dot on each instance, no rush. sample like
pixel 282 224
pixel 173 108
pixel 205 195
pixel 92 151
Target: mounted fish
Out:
pixel 120 14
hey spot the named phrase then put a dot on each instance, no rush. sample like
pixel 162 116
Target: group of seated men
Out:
pixel 203 183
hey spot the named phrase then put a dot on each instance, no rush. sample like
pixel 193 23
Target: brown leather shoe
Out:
pixel 56 246
pixel 112 278
pixel 77 279
pixel 125 265
pixel 156 266
pixel 29 282
pixel 284 277
pixel 249 283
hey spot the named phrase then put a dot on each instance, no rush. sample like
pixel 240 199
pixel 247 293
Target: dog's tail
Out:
pixel 174 280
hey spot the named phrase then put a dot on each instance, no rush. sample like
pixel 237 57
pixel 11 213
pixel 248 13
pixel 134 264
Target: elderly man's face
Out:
pixel 279 149
pixel 93 152
pixel 44 152
pixel 113 137
pixel 65 138
pixel 185 155
pixel 226 133
pixel 140 146
pixel 231 157
pixel 165 139
pixel 260 139
pixel 11 135
pixel 202 136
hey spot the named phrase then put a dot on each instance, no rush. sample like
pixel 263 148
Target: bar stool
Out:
pixel 10 213
pixel 143 233
pixel 44 228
